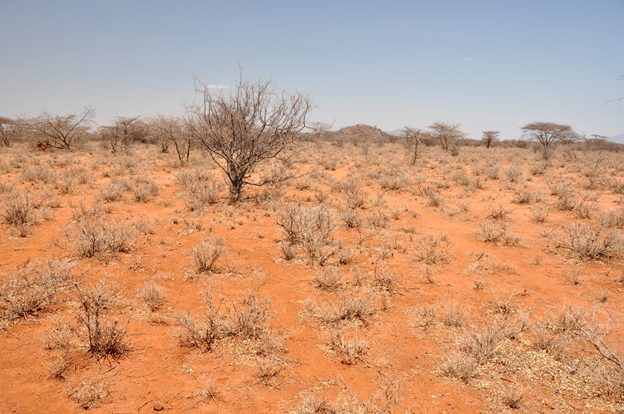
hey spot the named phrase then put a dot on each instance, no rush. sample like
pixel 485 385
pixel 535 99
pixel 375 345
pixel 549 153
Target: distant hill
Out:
pixel 617 138
pixel 360 132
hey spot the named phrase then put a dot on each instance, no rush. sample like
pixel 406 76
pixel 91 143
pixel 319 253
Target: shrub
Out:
pixel 590 243
pixel 145 190
pixel 347 309
pixel 495 233
pixel 152 296
pixel 19 211
pixel 348 350
pixel 97 238
pixel 311 228
pixel 460 366
pixel 352 194
pixel 431 250
pixel 205 254
pixel 105 336
pixel 329 278
pixel 33 287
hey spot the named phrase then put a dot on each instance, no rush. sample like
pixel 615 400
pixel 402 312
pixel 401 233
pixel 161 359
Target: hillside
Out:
pixel 361 132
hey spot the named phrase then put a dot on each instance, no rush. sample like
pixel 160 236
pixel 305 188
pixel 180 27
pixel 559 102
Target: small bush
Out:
pixel 460 366
pixel 431 250
pixel 205 255
pixel 495 233
pixel 348 309
pixel 329 278
pixel 152 296
pixel 348 350
pixel 20 211
pixel 591 243
pixel 33 288
pixel 105 336
pixel 97 238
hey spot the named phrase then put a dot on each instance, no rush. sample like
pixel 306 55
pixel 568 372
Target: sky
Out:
pixel 487 65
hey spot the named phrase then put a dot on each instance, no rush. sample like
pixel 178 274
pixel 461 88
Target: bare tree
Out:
pixel 122 132
pixel 246 125
pixel 414 137
pixel 446 133
pixel 489 137
pixel 9 130
pixel 169 130
pixel 61 132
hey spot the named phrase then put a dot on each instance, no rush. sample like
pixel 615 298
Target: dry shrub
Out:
pixel 589 243
pixel 328 278
pixel 348 309
pixel 513 397
pixel 89 392
pixel 433 197
pixel 92 237
pixel 105 335
pixel 113 191
pixel 460 366
pixel 152 295
pixel 57 368
pixel 352 194
pixel 199 189
pixel 20 211
pixel 455 315
pixel 145 190
pixel 433 250
pixel 33 287
pixel 348 350
pixel 204 255
pixel 247 322
pixel 384 280
pixel 538 215
pixel 382 401
pixel 497 213
pixel 351 219
pixel 311 228
pixel 495 233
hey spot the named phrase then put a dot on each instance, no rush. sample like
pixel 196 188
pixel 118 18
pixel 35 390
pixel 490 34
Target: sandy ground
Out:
pixel 423 308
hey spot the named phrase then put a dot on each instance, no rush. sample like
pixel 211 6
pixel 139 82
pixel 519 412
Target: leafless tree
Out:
pixel 446 133
pixel 489 137
pixel 61 131
pixel 414 137
pixel 594 139
pixel 169 130
pixel 318 131
pixel 9 130
pixel 246 125
pixel 122 132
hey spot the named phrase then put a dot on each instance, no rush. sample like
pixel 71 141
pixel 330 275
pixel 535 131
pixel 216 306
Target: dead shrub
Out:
pixel 497 213
pixel 588 243
pixel 433 250
pixel 329 278
pixel 33 287
pixel 20 211
pixel 311 228
pixel 348 309
pixel 204 255
pixel 538 216
pixel 352 194
pixel 152 295
pixel 495 233
pixel 96 238
pixel 105 335
pixel 460 366
pixel 348 350
pixel 145 190
pixel 455 315
pixel 88 392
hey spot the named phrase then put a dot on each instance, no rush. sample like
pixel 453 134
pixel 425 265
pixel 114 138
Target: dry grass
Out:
pixel 204 256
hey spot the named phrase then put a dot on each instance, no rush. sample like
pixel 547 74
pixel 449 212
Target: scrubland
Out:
pixel 490 281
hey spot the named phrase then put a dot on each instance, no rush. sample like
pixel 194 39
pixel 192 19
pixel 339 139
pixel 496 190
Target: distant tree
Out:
pixel 169 130
pixel 61 131
pixel 593 140
pixel 414 137
pixel 122 132
pixel 447 134
pixel 246 125
pixel 489 137
pixel 9 130
pixel 548 133
pixel 318 131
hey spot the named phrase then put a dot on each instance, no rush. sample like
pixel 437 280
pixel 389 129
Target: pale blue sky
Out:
pixel 485 64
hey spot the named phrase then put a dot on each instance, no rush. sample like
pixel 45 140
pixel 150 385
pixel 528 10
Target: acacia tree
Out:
pixel 246 125
pixel 9 130
pixel 489 137
pixel 61 131
pixel 547 133
pixel 446 133
pixel 414 137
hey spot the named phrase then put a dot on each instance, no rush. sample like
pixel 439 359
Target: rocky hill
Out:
pixel 361 132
